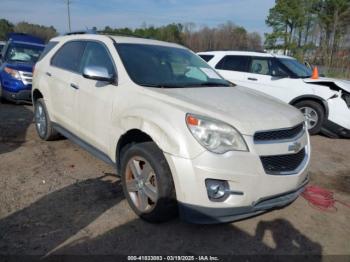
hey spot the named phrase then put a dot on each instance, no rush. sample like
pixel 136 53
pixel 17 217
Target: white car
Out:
pixel 182 137
pixel 325 102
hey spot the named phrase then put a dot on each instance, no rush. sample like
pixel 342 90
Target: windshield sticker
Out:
pixel 210 73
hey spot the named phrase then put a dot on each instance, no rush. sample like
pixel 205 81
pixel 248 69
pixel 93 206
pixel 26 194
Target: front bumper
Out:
pixel 208 215
pixel 22 95
pixel 244 172
pixel 338 122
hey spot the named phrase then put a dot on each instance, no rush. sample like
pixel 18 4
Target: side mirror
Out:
pixel 98 73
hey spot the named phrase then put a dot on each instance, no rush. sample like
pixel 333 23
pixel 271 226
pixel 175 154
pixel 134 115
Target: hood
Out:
pixel 20 66
pixel 247 110
pixel 332 83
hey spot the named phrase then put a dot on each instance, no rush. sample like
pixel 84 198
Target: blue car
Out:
pixel 17 60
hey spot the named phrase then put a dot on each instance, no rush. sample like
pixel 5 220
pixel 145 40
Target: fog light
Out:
pixel 218 190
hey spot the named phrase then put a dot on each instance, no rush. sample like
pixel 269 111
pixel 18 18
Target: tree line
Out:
pixel 226 36
pixel 44 32
pixel 316 30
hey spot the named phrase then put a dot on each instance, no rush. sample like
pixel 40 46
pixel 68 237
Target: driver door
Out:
pixel 264 76
pixel 95 98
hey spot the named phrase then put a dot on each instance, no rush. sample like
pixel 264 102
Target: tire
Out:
pixel 314 113
pixel 157 186
pixel 43 123
pixel 2 99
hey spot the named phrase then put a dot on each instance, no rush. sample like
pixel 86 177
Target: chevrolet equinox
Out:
pixel 183 139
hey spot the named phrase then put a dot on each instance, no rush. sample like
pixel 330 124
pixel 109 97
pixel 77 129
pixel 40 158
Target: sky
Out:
pixel 134 13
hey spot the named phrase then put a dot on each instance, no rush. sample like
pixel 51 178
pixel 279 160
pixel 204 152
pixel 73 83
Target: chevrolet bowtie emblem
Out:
pixel 295 147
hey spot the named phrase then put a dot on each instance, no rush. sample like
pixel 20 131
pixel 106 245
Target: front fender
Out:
pixel 168 131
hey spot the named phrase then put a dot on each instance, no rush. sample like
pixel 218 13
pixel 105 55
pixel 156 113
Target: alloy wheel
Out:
pixel 141 184
pixel 40 119
pixel 311 116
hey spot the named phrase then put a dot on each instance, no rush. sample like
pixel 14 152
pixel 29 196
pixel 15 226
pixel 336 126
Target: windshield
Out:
pixel 23 53
pixel 297 68
pixel 163 66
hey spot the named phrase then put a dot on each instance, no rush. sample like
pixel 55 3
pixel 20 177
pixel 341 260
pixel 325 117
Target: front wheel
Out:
pixel 314 115
pixel 147 183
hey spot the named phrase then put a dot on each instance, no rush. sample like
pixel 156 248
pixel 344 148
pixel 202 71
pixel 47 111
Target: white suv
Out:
pixel 182 138
pixel 325 102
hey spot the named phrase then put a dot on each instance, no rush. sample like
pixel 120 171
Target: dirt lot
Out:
pixel 57 199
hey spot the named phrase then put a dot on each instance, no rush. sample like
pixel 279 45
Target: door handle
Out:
pixel 48 74
pixel 74 86
pixel 252 79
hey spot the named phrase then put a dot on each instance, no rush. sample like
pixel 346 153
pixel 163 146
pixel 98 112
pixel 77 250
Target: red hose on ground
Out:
pixel 321 198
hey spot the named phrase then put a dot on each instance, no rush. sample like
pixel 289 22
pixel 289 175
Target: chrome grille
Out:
pixel 26 77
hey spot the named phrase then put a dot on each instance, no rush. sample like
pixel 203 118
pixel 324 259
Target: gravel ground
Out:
pixel 57 199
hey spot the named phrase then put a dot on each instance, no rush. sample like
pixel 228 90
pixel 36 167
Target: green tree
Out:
pixel 5 28
pixel 334 19
pixel 44 32
pixel 284 18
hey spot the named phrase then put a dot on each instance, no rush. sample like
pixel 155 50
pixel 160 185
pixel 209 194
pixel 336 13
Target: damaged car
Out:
pixel 182 138
pixel 325 102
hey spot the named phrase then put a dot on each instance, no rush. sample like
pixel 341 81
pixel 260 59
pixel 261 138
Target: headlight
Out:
pixel 215 136
pixel 12 72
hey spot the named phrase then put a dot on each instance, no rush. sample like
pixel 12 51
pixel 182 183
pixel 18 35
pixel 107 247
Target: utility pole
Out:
pixel 68 9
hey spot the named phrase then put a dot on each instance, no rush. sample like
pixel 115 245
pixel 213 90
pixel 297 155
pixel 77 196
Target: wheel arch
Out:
pixel 132 136
pixel 314 98
pixel 36 94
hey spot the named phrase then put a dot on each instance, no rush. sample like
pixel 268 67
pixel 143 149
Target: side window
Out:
pixel 97 55
pixel 234 63
pixel 50 45
pixel 278 69
pixel 206 58
pixel 69 56
pixel 260 66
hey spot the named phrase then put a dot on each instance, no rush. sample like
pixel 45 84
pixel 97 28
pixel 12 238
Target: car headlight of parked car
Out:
pixel 12 72
pixel 216 136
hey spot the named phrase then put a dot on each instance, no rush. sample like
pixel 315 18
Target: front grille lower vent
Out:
pixel 283 164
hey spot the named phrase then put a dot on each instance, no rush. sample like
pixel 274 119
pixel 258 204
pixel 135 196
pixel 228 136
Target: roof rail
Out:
pixel 126 35
pixel 82 32
pixel 236 50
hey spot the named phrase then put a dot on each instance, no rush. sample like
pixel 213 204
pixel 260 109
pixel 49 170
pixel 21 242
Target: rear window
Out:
pixel 234 63
pixel 47 49
pixel 69 56
pixel 206 58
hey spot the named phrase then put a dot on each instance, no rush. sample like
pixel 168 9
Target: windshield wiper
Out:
pixel 162 85
pixel 213 84
pixel 210 84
